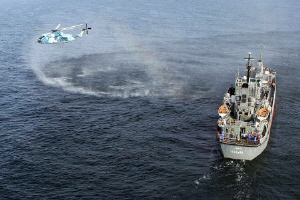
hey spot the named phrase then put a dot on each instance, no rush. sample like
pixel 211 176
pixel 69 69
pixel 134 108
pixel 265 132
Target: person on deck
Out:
pixel 222 135
pixel 249 137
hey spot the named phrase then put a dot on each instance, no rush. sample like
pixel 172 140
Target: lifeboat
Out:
pixel 223 110
pixel 262 114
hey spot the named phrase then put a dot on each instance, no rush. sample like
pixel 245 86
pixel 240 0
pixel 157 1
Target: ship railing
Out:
pixel 242 141
pixel 228 136
pixel 233 122
pixel 253 140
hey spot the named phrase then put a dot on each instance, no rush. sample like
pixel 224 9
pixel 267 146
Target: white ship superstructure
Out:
pixel 247 111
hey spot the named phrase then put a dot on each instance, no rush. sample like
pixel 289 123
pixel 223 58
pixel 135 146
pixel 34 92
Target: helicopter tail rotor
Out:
pixel 86 29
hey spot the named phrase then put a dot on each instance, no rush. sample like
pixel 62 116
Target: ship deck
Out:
pixel 243 143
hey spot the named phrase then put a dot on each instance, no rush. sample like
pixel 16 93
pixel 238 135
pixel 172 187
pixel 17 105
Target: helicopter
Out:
pixel 56 35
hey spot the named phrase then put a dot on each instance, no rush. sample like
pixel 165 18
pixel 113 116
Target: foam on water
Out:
pixel 239 179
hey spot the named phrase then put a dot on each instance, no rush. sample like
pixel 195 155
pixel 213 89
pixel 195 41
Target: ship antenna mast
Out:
pixel 248 66
pixel 261 46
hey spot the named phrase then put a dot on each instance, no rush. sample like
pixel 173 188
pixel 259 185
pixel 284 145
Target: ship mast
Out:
pixel 261 46
pixel 248 66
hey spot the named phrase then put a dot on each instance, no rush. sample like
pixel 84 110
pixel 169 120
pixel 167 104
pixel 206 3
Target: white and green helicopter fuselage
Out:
pixel 56 36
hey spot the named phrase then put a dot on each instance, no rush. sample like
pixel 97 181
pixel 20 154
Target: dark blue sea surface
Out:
pixel 130 111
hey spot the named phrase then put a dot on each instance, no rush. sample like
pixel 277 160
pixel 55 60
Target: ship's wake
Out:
pixel 237 176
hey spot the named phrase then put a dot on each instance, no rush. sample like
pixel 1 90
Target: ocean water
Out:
pixel 130 111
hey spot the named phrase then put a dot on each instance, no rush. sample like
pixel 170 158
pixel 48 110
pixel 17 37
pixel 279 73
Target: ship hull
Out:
pixel 242 152
pixel 239 152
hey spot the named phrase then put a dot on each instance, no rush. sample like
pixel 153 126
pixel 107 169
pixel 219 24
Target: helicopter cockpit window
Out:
pixel 41 39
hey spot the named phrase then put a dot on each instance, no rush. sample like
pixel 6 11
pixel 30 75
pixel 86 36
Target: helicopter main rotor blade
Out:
pixel 57 26
pixel 71 27
pixel 86 29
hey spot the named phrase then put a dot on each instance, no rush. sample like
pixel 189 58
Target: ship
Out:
pixel 246 115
